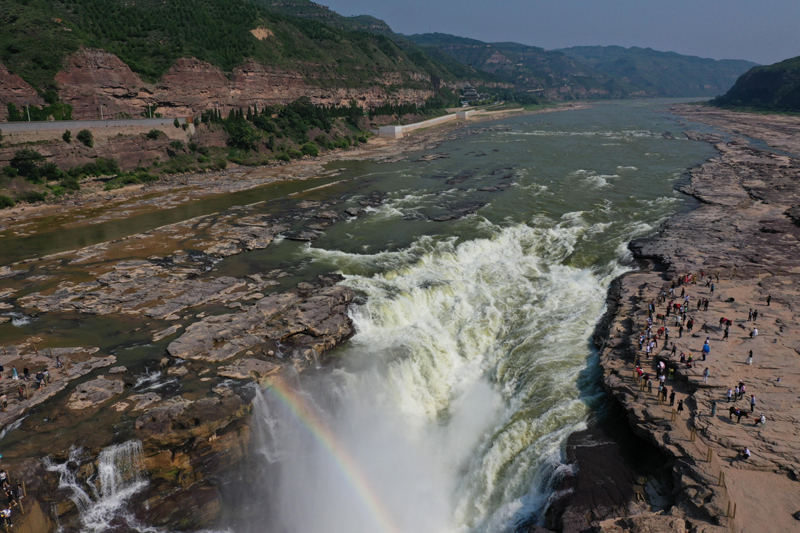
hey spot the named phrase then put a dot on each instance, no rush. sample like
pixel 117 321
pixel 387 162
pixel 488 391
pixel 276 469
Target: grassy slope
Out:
pixel 770 88
pixel 661 73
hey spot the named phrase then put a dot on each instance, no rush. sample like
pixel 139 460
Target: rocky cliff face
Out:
pixel 14 90
pixel 92 78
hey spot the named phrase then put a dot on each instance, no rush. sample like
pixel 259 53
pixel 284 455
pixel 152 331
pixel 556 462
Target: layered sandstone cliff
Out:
pixel 93 78
pixel 14 90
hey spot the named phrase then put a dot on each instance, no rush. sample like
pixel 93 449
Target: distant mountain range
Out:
pixel 661 73
pixel 771 87
pixel 587 71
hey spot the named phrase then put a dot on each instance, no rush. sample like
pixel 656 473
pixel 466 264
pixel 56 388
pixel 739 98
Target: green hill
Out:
pixel 661 73
pixel 149 35
pixel 772 87
pixel 314 11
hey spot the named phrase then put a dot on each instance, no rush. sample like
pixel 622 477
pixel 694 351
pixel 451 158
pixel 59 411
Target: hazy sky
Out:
pixel 764 31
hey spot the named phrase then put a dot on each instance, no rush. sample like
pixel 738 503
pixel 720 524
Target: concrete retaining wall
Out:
pixel 397 132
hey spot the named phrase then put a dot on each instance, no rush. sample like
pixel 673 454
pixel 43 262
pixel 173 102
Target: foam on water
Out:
pixel 461 384
pixel 102 500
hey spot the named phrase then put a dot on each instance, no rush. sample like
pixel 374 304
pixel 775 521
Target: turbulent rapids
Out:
pixel 458 390
pixel 449 409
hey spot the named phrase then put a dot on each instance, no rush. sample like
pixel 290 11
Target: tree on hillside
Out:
pixel 86 137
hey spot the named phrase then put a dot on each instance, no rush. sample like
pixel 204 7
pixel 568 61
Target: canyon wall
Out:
pixel 93 78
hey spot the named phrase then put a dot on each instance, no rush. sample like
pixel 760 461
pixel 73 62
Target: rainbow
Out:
pixel 311 421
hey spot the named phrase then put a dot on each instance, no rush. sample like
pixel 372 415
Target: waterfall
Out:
pixel 103 498
pixel 455 397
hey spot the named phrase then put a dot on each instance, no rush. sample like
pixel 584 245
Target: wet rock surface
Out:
pixel 94 393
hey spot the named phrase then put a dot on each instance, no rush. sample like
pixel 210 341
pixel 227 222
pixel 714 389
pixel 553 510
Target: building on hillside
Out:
pixel 469 93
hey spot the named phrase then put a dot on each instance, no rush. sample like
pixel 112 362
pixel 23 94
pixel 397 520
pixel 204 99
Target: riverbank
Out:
pixel 743 239
pixel 93 205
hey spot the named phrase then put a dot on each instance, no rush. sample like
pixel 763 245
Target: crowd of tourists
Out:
pixel 675 318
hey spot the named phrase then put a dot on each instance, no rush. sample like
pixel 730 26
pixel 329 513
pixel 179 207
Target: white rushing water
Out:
pixel 461 386
pixel 101 501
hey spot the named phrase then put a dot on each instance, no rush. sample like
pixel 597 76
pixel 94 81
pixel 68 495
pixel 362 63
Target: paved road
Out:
pixel 11 127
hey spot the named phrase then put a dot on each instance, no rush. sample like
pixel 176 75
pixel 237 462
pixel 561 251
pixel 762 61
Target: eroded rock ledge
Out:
pixel 745 237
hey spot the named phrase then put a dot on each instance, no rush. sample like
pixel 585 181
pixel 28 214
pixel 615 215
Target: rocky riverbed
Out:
pixel 220 334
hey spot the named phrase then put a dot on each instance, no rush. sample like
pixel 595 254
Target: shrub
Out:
pixel 295 154
pixel 50 171
pixel 99 167
pixel 32 197
pixel 193 146
pixel 283 157
pixel 10 171
pixel 67 136
pixel 323 141
pixel 220 164
pixel 362 139
pixel 129 179
pixel 86 137
pixel 178 145
pixel 5 201
pixel 70 183
pixel 154 135
pixel 28 162
pixel 310 149
pixel 242 134
pixel 177 123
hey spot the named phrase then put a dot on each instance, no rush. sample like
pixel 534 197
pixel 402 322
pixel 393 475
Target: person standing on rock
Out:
pixel 736 393
pixel 752 403
pixel 769 299
pixel 712 288
pixel 705 304
pixel 754 333
pixel 761 420
pixel 680 332
pixel 706 349
pixel 14 374
pixel 672 397
pixel 649 385
pixel 725 333
pixel 750 358
pixel 755 315
pixel 750 315
pixel 680 407
pixel 741 390
pixel 729 394
pixel 713 409
pixel 705 375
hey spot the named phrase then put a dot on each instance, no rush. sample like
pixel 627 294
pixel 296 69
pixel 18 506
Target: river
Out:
pixel 449 409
